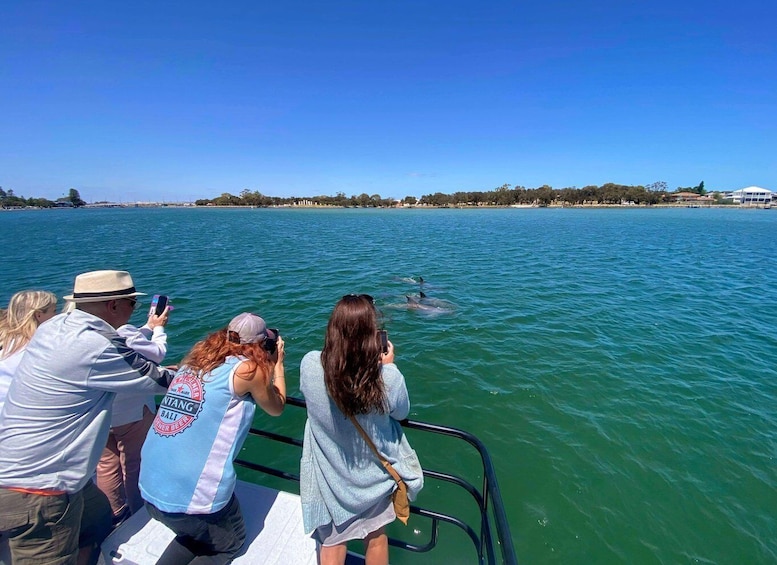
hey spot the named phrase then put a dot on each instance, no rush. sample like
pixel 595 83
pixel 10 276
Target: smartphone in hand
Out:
pixel 158 304
pixel 383 340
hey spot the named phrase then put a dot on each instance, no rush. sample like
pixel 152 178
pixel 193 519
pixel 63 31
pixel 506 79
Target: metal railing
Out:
pixel 491 537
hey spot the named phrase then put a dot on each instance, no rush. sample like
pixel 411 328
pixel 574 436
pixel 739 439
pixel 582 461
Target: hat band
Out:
pixel 129 290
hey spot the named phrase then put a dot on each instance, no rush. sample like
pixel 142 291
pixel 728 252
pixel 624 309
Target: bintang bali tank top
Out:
pixel 198 430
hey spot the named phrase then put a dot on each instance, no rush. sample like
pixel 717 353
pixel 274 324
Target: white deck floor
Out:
pixel 273 529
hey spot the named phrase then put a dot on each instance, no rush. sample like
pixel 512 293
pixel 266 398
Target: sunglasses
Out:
pixel 135 303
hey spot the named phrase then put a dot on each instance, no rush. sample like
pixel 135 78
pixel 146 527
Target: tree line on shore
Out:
pixel 505 195
pixel 10 200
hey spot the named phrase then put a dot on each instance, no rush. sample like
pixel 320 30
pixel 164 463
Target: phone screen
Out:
pixel 383 340
pixel 158 304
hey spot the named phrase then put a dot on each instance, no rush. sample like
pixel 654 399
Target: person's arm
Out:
pixel 161 320
pixel 150 343
pixel 396 389
pixel 151 339
pixel 119 368
pixel 267 390
pixel 394 381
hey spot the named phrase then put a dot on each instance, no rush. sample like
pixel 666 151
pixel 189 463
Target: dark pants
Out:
pixel 202 538
pixel 50 529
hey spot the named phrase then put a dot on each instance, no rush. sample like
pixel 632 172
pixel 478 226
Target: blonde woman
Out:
pixel 26 311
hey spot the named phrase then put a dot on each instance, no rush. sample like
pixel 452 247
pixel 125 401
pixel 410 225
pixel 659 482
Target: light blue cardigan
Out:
pixel 340 477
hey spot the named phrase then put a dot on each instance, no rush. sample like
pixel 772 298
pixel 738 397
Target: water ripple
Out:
pixel 619 364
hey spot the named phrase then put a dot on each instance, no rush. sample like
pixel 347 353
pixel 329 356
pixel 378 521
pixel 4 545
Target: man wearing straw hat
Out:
pixel 56 418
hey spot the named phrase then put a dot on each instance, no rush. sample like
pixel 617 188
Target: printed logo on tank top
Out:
pixel 180 406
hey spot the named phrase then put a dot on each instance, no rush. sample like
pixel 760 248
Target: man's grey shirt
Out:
pixel 56 418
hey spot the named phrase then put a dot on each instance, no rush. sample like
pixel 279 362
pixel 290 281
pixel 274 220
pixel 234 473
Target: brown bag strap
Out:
pixel 386 464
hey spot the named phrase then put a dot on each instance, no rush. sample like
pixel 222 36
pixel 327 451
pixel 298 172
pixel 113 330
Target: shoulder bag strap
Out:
pixel 382 459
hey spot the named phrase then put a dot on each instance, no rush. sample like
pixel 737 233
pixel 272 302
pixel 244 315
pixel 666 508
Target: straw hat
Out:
pixel 100 286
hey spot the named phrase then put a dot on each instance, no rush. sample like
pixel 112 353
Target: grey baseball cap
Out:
pixel 250 328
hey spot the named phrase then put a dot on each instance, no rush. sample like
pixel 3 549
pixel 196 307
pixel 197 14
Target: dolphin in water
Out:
pixel 429 305
pixel 410 280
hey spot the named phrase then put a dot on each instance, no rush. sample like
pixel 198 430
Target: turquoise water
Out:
pixel 618 364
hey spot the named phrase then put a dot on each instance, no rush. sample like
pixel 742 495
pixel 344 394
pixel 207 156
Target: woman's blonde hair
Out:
pixel 18 322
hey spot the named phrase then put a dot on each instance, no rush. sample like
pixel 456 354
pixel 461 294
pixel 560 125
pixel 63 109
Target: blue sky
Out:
pixel 176 101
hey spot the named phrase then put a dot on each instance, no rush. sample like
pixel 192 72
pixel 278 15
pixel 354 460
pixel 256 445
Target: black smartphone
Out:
pixel 158 304
pixel 383 340
pixel 271 344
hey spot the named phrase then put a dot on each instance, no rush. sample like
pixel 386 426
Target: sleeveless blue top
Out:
pixel 186 461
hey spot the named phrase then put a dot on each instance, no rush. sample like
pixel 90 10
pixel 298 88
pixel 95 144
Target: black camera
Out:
pixel 271 343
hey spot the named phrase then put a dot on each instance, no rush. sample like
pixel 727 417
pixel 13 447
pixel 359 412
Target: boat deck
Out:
pixel 274 532
pixel 273 518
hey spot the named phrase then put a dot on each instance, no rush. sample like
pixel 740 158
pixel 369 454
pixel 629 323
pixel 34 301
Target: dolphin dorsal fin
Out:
pixel 423 294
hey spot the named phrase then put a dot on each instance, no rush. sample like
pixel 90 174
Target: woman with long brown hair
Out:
pixel 187 476
pixel 345 490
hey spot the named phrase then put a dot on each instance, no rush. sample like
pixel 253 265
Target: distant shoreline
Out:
pixel 324 207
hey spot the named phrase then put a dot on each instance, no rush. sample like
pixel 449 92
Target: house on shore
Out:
pixel 692 198
pixel 752 196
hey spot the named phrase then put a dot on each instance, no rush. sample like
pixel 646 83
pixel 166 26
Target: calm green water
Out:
pixel 618 364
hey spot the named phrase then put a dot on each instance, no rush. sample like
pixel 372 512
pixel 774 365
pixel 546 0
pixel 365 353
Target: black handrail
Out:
pixel 488 499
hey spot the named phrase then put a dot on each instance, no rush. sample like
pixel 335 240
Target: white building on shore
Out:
pixel 751 196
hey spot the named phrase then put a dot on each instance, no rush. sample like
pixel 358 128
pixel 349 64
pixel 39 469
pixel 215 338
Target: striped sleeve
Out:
pixel 120 368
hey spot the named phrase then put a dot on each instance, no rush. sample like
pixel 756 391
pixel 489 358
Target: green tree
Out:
pixel 227 199
pixel 10 200
pixel 40 202
pixel 658 186
pixel 75 198
pixel 254 198
pixel 436 199
pixel 545 195
pixel 504 196
pixel 611 193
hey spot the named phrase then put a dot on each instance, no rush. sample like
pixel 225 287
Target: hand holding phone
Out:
pixel 158 305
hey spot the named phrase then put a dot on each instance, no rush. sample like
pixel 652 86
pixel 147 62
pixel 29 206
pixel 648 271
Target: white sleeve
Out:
pixel 151 345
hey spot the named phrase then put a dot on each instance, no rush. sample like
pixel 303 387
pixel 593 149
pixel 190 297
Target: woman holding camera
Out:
pixel 345 490
pixel 187 477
